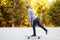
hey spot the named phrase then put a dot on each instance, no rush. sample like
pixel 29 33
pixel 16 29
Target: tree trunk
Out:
pixel 14 6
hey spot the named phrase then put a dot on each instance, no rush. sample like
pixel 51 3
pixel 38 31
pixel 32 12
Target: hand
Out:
pixel 30 24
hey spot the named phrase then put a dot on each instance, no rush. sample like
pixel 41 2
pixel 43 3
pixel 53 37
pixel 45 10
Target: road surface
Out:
pixel 20 33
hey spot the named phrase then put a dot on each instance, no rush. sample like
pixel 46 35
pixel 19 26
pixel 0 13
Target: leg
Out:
pixel 38 22
pixel 34 30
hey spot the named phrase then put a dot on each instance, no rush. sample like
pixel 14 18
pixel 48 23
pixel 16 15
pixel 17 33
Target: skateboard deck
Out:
pixel 33 37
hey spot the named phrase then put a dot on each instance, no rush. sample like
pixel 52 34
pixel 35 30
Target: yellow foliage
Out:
pixel 45 3
pixel 4 2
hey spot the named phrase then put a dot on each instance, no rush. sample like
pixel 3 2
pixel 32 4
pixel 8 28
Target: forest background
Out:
pixel 13 12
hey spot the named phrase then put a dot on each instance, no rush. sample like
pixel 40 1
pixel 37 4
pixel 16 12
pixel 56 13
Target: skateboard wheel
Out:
pixel 38 37
pixel 28 37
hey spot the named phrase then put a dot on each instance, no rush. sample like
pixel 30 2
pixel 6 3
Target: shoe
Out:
pixel 46 32
pixel 33 35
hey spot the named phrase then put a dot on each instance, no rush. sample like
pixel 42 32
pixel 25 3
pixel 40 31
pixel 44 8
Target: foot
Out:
pixel 33 35
pixel 46 32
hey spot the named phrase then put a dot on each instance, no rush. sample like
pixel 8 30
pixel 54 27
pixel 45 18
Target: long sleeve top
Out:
pixel 31 15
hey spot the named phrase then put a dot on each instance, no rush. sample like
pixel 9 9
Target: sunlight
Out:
pixel 50 1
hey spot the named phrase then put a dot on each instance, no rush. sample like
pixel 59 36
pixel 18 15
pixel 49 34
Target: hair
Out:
pixel 27 6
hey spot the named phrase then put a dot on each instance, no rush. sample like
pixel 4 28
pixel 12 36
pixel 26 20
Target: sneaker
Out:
pixel 33 35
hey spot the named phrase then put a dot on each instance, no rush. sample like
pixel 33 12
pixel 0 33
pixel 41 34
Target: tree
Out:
pixel 54 13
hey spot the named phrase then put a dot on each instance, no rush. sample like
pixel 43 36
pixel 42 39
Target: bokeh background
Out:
pixel 13 13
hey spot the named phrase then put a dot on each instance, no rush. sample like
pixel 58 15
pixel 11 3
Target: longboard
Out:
pixel 28 37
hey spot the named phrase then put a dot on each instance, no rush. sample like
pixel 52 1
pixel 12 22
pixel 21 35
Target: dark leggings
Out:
pixel 36 21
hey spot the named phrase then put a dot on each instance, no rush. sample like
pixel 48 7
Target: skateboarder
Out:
pixel 34 19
